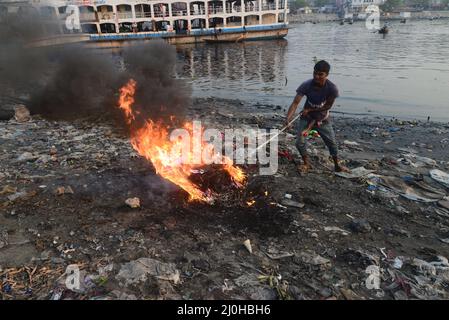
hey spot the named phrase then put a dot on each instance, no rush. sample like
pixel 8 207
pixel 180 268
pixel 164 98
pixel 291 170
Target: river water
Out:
pixel 404 75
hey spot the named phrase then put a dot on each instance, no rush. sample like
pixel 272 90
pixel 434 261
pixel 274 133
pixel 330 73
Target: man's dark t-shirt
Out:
pixel 316 97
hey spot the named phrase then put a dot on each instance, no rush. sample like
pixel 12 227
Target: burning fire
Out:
pixel 250 203
pixel 127 99
pixel 152 141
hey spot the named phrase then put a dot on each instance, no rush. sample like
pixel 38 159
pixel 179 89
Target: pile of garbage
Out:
pixel 83 217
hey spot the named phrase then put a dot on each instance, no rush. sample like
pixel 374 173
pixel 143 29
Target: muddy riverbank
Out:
pixel 381 234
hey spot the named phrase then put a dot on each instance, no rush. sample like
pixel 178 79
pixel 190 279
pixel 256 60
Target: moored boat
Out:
pixel 177 21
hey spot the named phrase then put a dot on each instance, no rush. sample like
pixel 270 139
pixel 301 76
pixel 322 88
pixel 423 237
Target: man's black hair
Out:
pixel 322 66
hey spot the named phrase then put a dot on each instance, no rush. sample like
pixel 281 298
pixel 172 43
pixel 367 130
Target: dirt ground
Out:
pixel 381 235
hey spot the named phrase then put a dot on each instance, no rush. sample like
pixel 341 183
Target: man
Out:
pixel 321 94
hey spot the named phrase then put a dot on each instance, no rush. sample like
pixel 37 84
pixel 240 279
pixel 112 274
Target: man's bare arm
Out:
pixel 293 107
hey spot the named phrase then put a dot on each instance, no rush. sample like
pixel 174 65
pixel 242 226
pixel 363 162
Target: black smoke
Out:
pixel 82 83
pixel 73 81
pixel 159 94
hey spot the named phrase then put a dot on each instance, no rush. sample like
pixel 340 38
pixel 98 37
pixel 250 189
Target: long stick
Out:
pixel 280 131
pixel 276 135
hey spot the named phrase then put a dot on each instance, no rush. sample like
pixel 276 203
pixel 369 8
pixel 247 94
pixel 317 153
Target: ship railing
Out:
pixel 178 13
pixel 199 12
pixel 124 15
pixel 234 9
pixel 159 14
pixel 251 8
pixel 213 10
pixel 143 14
pixel 267 7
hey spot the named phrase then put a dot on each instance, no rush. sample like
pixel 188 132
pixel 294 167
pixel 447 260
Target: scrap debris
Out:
pixel 316 235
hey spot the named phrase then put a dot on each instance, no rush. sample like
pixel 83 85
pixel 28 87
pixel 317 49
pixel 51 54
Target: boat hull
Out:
pixel 202 36
pixel 212 36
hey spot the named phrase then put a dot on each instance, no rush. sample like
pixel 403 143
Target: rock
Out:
pixel 133 202
pixel 291 203
pixel 360 225
pixel 138 270
pixel 27 156
pixel 22 114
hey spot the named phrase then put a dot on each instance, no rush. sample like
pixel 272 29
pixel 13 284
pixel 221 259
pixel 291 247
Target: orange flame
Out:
pixel 127 99
pixel 250 203
pixel 152 141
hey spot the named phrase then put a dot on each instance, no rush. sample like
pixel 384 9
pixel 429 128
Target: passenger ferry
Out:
pixel 177 21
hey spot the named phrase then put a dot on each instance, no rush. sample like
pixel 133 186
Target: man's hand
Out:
pixel 305 112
